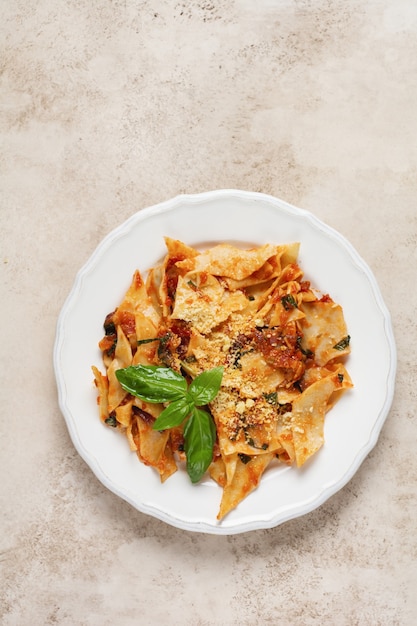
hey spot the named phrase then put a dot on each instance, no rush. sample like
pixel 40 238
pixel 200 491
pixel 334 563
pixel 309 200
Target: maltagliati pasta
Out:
pixel 280 344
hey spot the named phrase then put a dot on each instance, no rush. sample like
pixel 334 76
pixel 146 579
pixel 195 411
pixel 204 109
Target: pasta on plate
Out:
pixel 281 344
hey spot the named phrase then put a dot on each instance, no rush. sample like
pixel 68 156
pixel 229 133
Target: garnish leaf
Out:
pixel 174 414
pixel 158 384
pixel 199 438
pixel 152 383
pixel 205 387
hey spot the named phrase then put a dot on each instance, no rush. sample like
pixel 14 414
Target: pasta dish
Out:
pixel 249 316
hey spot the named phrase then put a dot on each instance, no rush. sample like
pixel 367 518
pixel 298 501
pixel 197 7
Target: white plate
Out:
pixel 332 265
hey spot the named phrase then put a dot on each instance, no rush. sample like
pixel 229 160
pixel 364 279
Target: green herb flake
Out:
pixel 308 353
pixel 343 343
pixel 111 351
pixel 289 302
pixel 164 385
pixel 111 420
pixel 141 342
pixel 192 284
pixel 190 359
pixel 271 398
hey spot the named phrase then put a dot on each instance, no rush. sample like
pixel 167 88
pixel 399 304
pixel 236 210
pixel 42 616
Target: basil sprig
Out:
pixel 157 384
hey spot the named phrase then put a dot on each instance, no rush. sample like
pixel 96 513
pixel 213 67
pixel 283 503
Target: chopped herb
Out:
pixel 272 397
pixel 237 350
pixel 245 458
pixel 164 354
pixel 308 353
pixel 340 377
pixel 343 343
pixel 164 339
pixel 246 352
pixel 191 284
pixel 236 353
pixel 140 342
pixel 110 351
pixel 111 420
pixel 187 368
pixel 251 442
pixel 190 359
pixel 251 298
pixel 289 302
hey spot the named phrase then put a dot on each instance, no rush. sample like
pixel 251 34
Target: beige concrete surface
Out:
pixel 110 106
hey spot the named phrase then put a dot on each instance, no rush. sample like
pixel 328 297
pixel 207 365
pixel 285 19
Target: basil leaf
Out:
pixel 162 384
pixel 199 438
pixel 205 387
pixel 174 414
pixel 152 383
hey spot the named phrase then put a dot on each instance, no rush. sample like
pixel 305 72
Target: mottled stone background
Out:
pixel 110 106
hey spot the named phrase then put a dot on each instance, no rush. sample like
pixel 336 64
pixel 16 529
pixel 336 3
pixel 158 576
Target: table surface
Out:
pixel 108 107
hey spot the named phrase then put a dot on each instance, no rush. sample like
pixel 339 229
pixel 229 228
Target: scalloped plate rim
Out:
pixel 272 520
